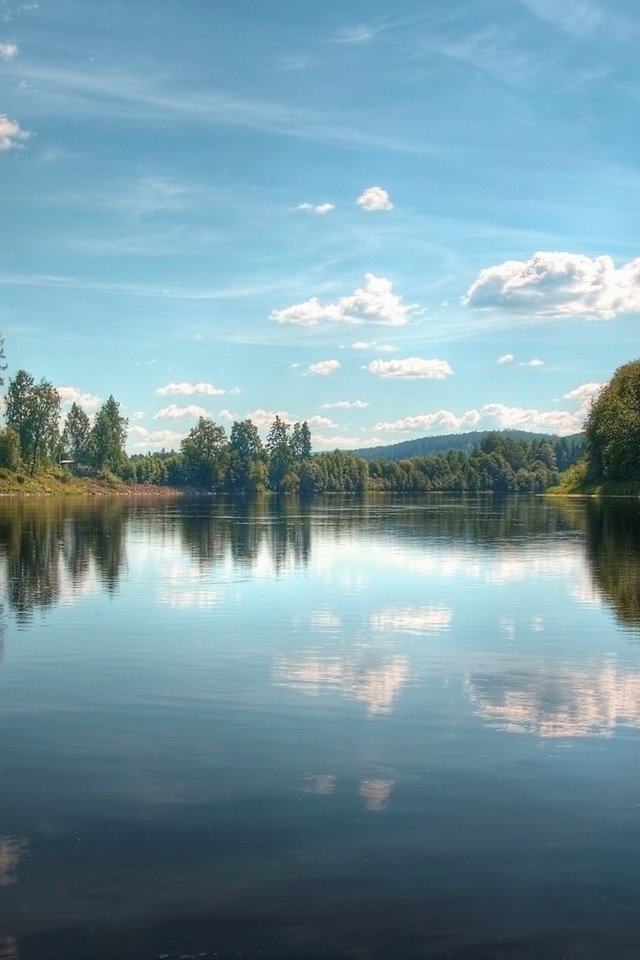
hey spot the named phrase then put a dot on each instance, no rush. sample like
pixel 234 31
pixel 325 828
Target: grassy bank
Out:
pixel 574 483
pixel 60 482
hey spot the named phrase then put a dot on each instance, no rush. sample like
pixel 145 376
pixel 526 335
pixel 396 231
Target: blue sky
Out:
pixel 390 223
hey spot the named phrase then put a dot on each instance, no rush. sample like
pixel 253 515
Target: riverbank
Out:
pixel 59 482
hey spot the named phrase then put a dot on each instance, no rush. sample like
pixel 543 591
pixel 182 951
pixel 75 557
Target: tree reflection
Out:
pixel 54 546
pixel 613 549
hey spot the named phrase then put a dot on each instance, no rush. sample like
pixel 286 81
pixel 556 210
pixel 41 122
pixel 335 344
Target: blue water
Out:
pixel 358 728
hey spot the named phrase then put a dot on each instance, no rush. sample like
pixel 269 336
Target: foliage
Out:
pixel 76 434
pixel 204 455
pixel 33 412
pixel 612 434
pixel 10 457
pixel 108 437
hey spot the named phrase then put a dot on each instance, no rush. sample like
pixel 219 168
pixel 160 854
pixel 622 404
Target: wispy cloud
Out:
pixel 412 368
pixel 323 368
pixel 173 412
pixel 189 390
pixel 346 405
pixel 8 51
pixel 318 209
pixel 374 303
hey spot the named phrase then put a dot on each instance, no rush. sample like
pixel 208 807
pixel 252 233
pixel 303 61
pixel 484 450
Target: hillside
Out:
pixel 465 442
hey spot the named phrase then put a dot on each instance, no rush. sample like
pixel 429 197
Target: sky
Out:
pixel 390 223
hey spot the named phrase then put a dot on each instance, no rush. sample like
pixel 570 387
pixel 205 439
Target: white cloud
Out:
pixel 492 416
pixel 137 415
pixel 374 303
pixel 190 390
pixel 556 284
pixel 532 363
pixel 585 391
pixel 172 412
pixel 10 133
pixel 373 345
pixel 8 51
pixel 324 367
pixel 318 209
pixel 506 358
pixel 88 401
pixel 317 421
pixel 374 199
pixel 345 405
pixel 153 439
pixel 412 368
pixel 264 418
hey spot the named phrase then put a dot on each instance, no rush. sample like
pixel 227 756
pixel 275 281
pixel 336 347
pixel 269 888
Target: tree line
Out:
pixel 35 436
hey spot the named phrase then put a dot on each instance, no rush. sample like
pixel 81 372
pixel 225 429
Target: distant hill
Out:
pixel 425 446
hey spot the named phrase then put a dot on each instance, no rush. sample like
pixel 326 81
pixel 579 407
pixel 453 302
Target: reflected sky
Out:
pixel 274 717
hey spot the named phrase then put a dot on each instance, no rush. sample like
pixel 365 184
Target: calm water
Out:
pixel 364 729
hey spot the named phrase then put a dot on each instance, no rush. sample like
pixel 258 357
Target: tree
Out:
pixel 108 437
pixel 301 441
pixel 612 431
pixel 280 455
pixel 33 411
pixel 76 433
pixel 247 468
pixel 205 454
pixel 9 449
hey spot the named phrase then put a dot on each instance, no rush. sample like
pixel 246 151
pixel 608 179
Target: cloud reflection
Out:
pixel 9 948
pixel 412 619
pixel 12 851
pixel 552 700
pixel 377 686
pixel 376 794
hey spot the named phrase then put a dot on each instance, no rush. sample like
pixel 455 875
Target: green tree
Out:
pixel 108 437
pixel 76 433
pixel 279 455
pixel 10 457
pixel 33 410
pixel 612 431
pixel 247 468
pixel 301 441
pixel 205 454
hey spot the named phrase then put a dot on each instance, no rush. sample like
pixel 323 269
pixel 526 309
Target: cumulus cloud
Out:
pixel 11 135
pixel 506 358
pixel 8 51
pixel 318 209
pixel 413 368
pixel 142 439
pixel 324 367
pixel 585 391
pixel 172 412
pixel 492 416
pixel 556 284
pixel 374 303
pixel 345 405
pixel 88 401
pixel 190 390
pixel 374 199
pixel 532 363
pixel 317 421
pixel 264 418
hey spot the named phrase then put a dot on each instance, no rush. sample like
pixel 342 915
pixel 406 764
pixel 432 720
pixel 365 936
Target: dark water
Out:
pixel 364 729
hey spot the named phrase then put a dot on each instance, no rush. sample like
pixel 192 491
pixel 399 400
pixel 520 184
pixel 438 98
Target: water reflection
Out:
pixel 377 686
pixel 613 547
pixel 9 948
pixel 553 700
pixel 58 550
pixel 12 851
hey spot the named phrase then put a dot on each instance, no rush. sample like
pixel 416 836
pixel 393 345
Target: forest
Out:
pixel 36 437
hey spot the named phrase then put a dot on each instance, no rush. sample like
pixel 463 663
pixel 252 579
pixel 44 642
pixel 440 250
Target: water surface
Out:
pixel 358 728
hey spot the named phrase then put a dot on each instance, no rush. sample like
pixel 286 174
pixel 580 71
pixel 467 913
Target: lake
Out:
pixel 351 729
